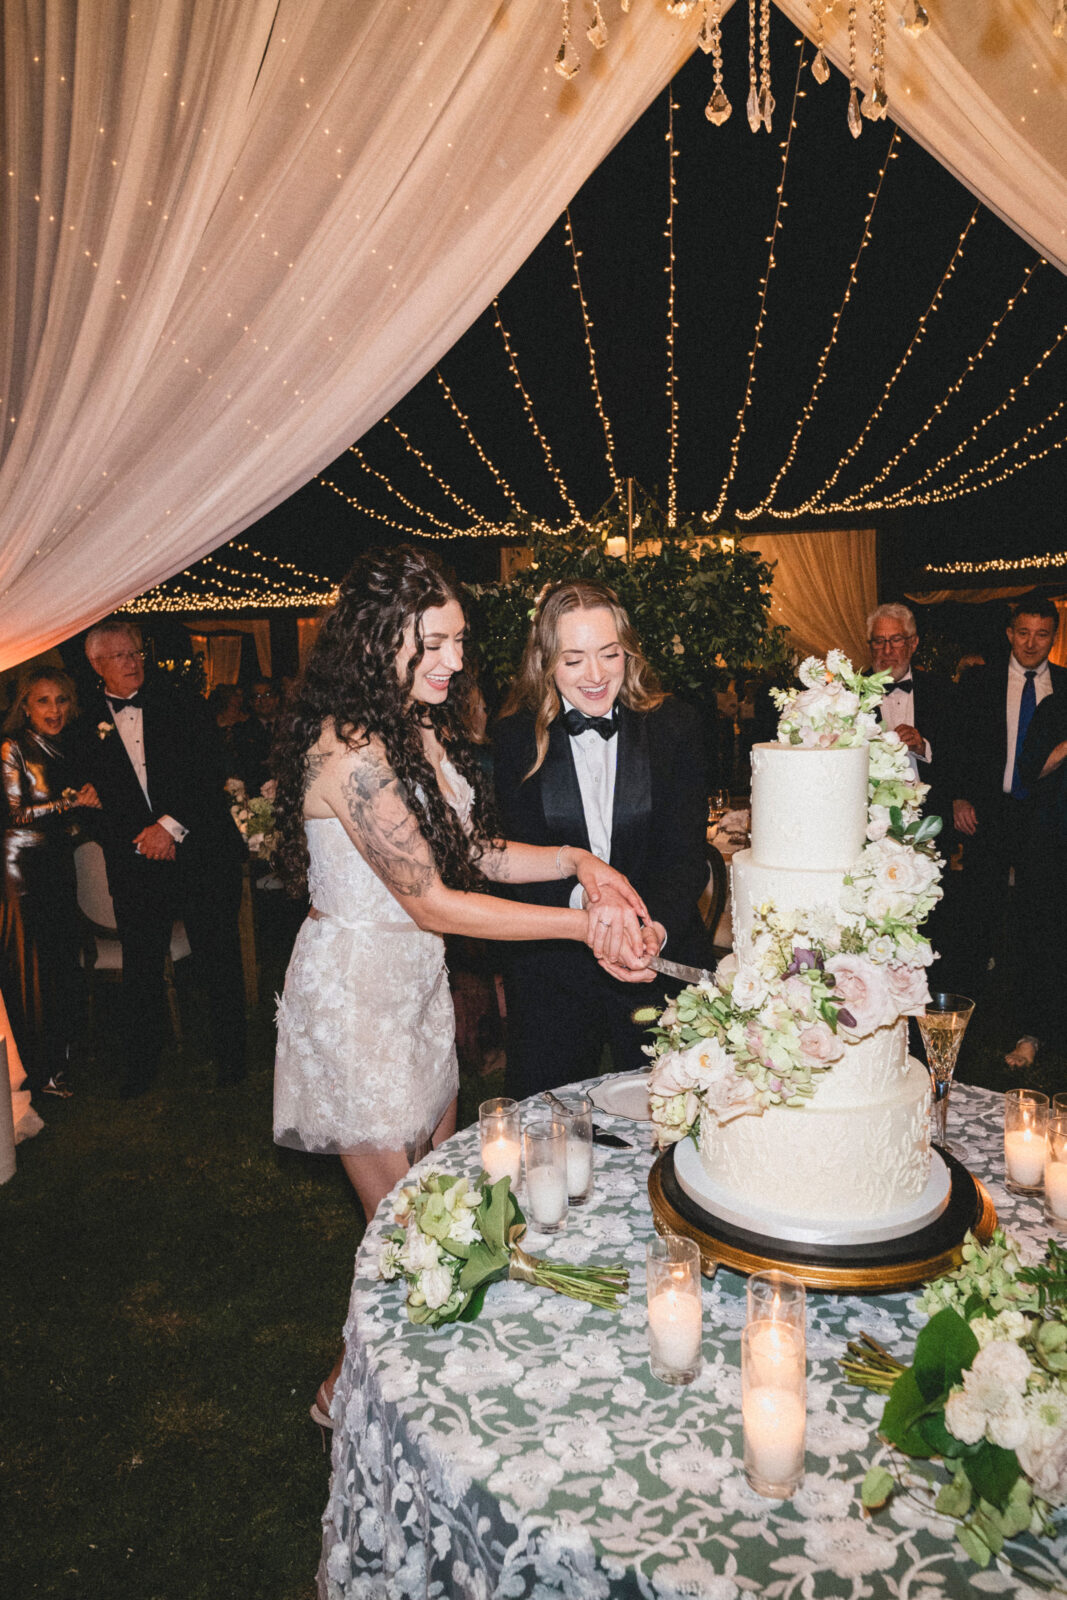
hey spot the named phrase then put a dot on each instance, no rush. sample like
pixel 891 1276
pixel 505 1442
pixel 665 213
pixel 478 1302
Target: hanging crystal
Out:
pixel 820 67
pixel 1059 19
pixel 567 59
pixel 704 38
pixel 765 103
pixel 597 33
pixel 875 101
pixel 752 103
pixel 766 106
pixel 914 18
pixel 680 8
pixel 855 117
pixel 718 108
pixel 820 70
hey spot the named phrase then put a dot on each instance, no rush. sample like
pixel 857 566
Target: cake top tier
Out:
pixel 809 807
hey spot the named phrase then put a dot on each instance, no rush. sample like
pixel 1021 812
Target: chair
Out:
pixel 713 900
pixel 102 951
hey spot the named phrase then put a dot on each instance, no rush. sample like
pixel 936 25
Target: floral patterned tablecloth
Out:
pixel 532 1452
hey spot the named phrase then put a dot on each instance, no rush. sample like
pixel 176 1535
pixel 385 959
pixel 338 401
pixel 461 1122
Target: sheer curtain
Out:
pixel 236 234
pixel 231 236
pixel 825 585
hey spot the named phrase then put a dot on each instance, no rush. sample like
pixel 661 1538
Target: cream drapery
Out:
pixel 236 231
pixel 825 586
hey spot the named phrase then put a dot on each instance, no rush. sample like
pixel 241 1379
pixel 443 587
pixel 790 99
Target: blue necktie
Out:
pixel 1027 707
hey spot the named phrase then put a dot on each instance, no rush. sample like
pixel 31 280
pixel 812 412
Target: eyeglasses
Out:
pixel 890 641
pixel 123 655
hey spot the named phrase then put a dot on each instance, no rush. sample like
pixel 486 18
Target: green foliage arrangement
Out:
pixel 701 612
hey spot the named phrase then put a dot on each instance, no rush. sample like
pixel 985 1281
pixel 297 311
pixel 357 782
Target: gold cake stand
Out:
pixel 860 1269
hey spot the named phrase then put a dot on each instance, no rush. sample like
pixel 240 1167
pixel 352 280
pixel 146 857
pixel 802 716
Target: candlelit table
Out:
pixel 532 1452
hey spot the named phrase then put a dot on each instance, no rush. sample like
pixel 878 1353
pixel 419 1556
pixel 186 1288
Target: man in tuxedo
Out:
pixel 917 704
pixel 992 805
pixel 172 850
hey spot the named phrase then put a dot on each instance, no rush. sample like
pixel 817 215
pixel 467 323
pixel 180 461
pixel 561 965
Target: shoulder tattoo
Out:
pixel 386 827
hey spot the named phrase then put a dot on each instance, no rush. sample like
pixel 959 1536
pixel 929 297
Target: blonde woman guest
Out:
pixel 590 747
pixel 43 790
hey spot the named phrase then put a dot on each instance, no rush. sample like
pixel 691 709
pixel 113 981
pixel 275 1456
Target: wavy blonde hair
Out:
pixel 535 689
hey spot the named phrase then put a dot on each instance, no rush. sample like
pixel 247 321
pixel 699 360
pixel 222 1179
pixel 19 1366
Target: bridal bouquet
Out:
pixel 255 818
pixel 986 1393
pixel 457 1239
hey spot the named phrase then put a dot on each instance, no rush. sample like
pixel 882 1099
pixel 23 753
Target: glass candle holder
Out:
pixel 1025 1121
pixel 579 1121
pixel 500 1129
pixel 774 1384
pixel 544 1144
pixel 674 1308
pixel 1056 1165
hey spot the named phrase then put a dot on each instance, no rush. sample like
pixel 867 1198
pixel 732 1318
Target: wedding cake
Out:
pixel 813 1119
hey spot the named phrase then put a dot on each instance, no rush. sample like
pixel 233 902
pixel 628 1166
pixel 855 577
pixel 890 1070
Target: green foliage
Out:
pixel 877 1488
pixel 1050 1281
pixel 944 1351
pixel 701 613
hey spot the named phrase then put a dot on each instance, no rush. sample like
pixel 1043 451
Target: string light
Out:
pixel 479 530
pixel 428 468
pixel 857 500
pixel 527 405
pixel 419 511
pixel 1056 558
pixel 916 340
pixel 587 327
pixel 961 487
pixel 672 398
pixel 806 414
pixel 464 422
pixel 258 591
pixel 772 240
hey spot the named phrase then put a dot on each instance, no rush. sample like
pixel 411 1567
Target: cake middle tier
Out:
pixel 788 889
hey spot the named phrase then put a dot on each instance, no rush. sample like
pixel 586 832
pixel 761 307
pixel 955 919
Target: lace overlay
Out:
pixel 366 1056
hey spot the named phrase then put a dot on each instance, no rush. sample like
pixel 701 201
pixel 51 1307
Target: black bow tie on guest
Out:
pixel 906 685
pixel 118 704
pixel 576 722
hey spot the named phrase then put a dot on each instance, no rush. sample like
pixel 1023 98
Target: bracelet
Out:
pixel 559 864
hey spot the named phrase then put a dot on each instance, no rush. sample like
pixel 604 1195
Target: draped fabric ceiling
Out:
pixel 234 234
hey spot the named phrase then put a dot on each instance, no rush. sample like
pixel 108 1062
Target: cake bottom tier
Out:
pixel 825 1169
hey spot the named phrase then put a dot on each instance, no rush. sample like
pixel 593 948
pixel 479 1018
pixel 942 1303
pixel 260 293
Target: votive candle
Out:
pixel 1025 1123
pixel 773 1383
pixel 1056 1165
pixel 545 1148
pixel 500 1130
pixel 674 1308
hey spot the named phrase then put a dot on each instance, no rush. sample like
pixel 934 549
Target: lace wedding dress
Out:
pixel 366 1055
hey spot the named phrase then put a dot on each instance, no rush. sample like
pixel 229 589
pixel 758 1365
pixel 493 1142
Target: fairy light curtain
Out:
pixel 825 587
pixel 234 236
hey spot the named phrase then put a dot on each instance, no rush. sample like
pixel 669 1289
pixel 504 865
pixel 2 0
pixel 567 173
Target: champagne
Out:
pixel 942 1033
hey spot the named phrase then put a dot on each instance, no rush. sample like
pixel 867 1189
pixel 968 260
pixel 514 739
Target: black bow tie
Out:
pixel 906 685
pixel 118 704
pixel 576 722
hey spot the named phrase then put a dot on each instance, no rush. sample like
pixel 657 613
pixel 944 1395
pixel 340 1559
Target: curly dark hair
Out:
pixel 351 677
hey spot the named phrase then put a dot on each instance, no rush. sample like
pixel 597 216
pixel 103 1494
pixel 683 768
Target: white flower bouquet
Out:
pixel 761 1032
pixel 256 817
pixel 455 1240
pixel 986 1393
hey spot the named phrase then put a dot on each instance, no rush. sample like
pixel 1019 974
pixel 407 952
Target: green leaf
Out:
pixel 896 818
pixel 877 1488
pixel 975 1545
pixel 993 1472
pixel 473 1304
pixel 944 1351
pixel 987 1520
pixel 940 1441
pixel 495 1213
pixel 955 1498
pixel 904 1408
pixel 485 1264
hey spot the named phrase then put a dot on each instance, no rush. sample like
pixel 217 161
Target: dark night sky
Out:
pixel 726 182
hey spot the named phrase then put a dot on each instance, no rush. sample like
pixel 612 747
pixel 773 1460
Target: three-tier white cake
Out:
pixel 853 1163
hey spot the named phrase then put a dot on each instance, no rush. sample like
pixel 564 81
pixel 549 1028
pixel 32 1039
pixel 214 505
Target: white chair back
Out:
pixel 94 897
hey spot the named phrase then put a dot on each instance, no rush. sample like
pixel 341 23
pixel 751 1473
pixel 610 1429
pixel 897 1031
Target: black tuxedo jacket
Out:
pixel 185 772
pixel 659 820
pixel 933 699
pixel 980 738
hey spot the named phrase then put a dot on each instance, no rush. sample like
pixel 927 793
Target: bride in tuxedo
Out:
pixel 384 814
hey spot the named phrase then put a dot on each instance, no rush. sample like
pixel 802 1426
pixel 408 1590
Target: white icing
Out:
pixel 859 1150
pixel 809 807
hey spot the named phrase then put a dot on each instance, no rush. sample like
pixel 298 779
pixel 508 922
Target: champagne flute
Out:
pixel 718 806
pixel 942 1025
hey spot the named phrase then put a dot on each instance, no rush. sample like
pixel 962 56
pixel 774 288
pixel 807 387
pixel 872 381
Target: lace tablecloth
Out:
pixel 532 1452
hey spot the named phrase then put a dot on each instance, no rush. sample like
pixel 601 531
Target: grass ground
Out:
pixel 173 1289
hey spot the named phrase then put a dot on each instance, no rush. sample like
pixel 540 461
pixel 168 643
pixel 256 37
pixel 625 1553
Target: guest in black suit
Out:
pixel 993 807
pixel 917 705
pixel 171 847
pixel 590 749
pixel 1043 768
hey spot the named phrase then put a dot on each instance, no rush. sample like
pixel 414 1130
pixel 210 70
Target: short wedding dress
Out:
pixel 366 1055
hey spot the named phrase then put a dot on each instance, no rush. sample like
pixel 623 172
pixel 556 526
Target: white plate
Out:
pixel 624 1096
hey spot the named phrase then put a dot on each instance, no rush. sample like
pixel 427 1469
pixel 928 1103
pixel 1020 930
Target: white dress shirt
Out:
pixel 129 720
pixel 1016 683
pixel 594 761
pixel 898 710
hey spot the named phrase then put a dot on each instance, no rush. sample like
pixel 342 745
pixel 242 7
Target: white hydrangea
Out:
pixel 991 1402
pixel 1043 1450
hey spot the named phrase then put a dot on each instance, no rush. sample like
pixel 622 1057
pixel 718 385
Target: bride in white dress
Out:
pixel 382 811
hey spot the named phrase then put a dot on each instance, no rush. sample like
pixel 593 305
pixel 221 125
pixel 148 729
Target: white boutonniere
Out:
pixel 103 729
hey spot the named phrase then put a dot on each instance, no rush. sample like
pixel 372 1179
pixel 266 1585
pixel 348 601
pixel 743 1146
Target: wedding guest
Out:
pixel 257 735
pixel 226 703
pixel 172 850
pixel 1043 769
pixel 993 805
pixel 590 747
pixel 44 788
pixel 917 704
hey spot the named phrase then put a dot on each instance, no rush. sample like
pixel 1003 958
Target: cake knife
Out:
pixel 678 969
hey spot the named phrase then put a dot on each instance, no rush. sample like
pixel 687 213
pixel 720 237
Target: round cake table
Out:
pixel 531 1452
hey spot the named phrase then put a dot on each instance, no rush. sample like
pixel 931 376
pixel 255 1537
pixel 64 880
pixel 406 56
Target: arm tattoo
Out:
pixel 494 862
pixel 387 830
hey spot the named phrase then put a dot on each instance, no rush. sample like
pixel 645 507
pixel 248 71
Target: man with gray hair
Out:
pixel 917 705
pixel 171 847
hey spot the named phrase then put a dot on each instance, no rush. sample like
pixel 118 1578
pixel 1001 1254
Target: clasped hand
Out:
pixel 619 931
pixel 155 843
